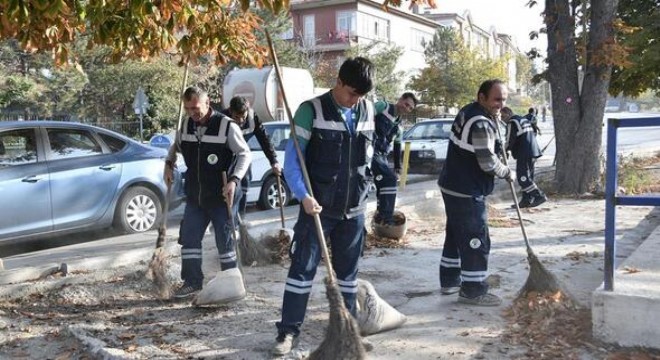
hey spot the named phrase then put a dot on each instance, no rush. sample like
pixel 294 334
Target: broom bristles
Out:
pixel 541 280
pixel 157 272
pixel 342 338
pixel 251 251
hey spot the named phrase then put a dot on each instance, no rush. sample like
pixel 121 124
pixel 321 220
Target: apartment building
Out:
pixel 489 42
pixel 330 27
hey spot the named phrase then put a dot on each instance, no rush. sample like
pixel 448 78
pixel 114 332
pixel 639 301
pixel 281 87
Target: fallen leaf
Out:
pixel 631 270
pixel 126 336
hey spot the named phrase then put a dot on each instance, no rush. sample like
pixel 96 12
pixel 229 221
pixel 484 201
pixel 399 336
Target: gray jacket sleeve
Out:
pixel 239 147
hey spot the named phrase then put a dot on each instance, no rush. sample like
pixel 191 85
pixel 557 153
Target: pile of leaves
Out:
pixel 374 241
pixel 499 218
pixel 550 325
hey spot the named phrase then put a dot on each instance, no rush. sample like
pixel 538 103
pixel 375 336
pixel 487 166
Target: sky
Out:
pixel 511 17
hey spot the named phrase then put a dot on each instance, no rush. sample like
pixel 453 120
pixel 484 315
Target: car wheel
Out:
pixel 268 199
pixel 138 210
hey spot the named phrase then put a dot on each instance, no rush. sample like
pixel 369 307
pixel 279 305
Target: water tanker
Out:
pixel 260 88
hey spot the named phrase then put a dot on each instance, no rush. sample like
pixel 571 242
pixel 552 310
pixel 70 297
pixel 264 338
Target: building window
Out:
pixel 309 30
pixel 373 27
pixel 419 39
pixel 347 23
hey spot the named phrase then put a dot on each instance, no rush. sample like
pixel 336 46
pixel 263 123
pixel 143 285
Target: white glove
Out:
pixel 511 177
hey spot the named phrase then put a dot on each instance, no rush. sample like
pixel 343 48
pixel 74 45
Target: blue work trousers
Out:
pixel 385 180
pixel 194 224
pixel 345 238
pixel 465 253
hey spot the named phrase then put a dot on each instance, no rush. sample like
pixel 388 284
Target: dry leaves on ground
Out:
pixel 374 241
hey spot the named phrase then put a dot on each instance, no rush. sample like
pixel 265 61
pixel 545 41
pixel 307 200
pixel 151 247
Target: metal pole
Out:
pixel 141 130
pixel 610 204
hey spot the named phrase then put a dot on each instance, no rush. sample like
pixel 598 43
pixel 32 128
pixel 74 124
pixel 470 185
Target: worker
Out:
pixel 388 131
pixel 465 181
pixel 210 143
pixel 239 110
pixel 334 131
pixel 521 142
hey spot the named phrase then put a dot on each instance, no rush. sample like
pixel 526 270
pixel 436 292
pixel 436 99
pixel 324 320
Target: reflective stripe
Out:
pixel 191 251
pixel 349 287
pixel 348 290
pixel 366 121
pixel 387 114
pixel 299 283
pixel 457 142
pixel 191 256
pixel 296 290
pixel 303 133
pixel 473 276
pixel 450 262
pixel 319 119
pixel 347 283
pixel 454 193
pixel 221 138
pixel 229 255
pixel 530 188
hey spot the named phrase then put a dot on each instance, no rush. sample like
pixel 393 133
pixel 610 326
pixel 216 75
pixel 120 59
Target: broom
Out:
pixel 539 280
pixel 157 270
pixel 283 240
pixel 342 339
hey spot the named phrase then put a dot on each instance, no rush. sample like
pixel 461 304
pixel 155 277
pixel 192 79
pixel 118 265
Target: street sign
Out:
pixel 140 102
pixel 160 141
pixel 140 105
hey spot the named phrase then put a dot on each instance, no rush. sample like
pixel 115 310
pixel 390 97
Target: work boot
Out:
pixel 487 299
pixel 449 290
pixel 284 343
pixel 538 200
pixel 525 202
pixel 186 290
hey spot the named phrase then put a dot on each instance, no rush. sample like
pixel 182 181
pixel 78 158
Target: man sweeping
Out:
pixel 521 141
pixel 466 179
pixel 210 144
pixel 388 131
pixel 239 110
pixel 334 132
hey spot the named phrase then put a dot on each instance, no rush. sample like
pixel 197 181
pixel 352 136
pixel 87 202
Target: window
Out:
pixel 346 23
pixel 69 143
pixel 373 27
pixel 278 135
pixel 115 144
pixel 419 40
pixel 288 34
pixel 309 31
pixel 18 147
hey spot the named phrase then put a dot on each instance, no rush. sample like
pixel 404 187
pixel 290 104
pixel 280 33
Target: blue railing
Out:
pixel 611 197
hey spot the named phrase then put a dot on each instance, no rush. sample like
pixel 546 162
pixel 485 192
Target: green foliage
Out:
pixel 454 71
pixel 385 57
pixel 640 34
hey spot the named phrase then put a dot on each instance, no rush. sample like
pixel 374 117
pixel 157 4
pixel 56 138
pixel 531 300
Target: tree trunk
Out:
pixel 578 119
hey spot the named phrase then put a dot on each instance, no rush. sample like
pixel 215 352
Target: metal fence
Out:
pixel 611 197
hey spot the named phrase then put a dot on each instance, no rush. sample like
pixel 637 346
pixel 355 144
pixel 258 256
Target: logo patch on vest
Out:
pixel 523 178
pixel 475 243
pixel 379 177
pixel 212 159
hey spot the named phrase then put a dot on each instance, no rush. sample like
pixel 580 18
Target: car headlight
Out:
pixel 426 154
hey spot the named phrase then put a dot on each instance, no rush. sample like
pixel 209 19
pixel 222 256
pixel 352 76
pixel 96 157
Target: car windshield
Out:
pixel 429 131
pixel 278 135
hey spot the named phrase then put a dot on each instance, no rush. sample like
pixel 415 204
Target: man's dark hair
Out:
pixel 194 92
pixel 531 111
pixel 506 110
pixel 238 105
pixel 409 95
pixel 487 85
pixel 357 73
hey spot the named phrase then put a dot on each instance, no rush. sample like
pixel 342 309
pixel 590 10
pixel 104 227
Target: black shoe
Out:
pixel 538 200
pixel 487 299
pixel 525 202
pixel 186 290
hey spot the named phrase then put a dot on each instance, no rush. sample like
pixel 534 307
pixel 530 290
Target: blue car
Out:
pixel 62 177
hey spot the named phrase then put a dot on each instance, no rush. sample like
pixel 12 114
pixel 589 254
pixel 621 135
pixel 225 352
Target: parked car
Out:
pixel 62 177
pixel 263 187
pixel 428 145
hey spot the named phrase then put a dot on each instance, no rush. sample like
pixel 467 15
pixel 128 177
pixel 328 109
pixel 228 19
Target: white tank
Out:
pixel 260 88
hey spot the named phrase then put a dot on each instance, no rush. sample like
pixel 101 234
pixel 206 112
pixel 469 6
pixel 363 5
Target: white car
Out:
pixel 263 187
pixel 428 145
